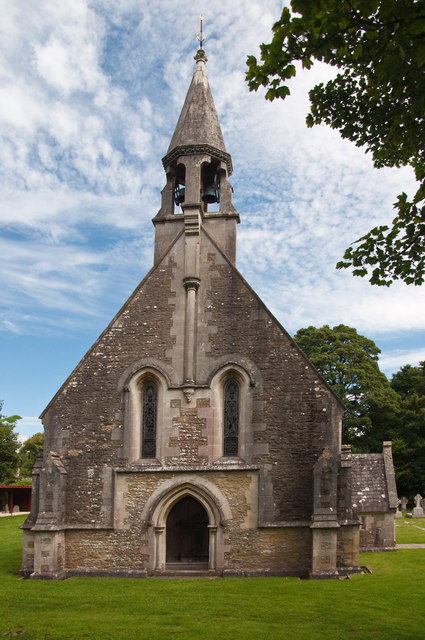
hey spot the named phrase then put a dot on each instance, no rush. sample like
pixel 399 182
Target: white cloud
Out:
pixel 138 142
pixel 394 360
pixel 8 326
pixel 19 107
pixel 68 65
pixel 27 427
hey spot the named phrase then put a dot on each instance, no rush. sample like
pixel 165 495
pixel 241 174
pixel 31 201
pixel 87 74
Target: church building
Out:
pixel 194 437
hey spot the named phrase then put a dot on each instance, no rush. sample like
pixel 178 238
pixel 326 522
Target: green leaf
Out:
pixel 418 27
pixel 420 55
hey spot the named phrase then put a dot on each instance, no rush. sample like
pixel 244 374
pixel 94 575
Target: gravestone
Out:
pixel 398 513
pixel 404 502
pixel 418 511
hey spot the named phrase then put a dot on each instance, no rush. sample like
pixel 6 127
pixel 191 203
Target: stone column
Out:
pixel 167 197
pixel 191 281
pixel 191 285
pixel 212 547
pixel 192 165
pixel 129 448
pixel 159 549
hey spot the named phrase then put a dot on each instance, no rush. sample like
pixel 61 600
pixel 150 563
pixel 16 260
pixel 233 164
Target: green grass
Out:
pixel 410 530
pixel 386 604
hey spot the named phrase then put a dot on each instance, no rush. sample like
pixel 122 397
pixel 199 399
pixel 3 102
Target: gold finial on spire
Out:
pixel 199 35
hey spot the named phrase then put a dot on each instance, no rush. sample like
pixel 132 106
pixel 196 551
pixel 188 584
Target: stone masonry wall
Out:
pixel 274 551
pixel 242 547
pixel 190 437
pixel 348 546
pixel 377 531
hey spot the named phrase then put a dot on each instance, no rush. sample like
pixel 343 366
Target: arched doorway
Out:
pixel 187 535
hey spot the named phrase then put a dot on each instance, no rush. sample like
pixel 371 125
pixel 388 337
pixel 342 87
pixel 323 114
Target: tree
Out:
pixel 407 430
pixel 349 364
pixel 9 458
pixel 409 380
pixel 28 453
pixel 377 101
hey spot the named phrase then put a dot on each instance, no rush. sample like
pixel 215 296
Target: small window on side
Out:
pixel 149 415
pixel 231 418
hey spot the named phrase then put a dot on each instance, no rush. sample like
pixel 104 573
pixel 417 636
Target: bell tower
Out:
pixel 197 166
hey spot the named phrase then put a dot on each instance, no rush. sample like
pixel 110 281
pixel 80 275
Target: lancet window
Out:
pixel 231 418
pixel 149 418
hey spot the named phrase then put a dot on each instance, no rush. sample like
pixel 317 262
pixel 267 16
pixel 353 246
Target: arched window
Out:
pixel 231 418
pixel 149 414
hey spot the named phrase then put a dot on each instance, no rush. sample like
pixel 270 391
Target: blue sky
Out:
pixel 90 94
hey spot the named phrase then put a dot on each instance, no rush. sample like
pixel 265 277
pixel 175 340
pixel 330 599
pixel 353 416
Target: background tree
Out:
pixel 377 409
pixel 28 453
pixel 407 430
pixel 9 459
pixel 349 364
pixel 377 101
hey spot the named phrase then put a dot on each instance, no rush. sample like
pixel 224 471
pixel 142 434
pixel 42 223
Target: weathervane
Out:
pixel 199 35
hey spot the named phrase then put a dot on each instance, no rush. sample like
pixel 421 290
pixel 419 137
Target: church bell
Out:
pixel 210 195
pixel 179 195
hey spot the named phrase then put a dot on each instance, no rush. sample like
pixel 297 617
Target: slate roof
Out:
pixel 373 481
pixel 369 487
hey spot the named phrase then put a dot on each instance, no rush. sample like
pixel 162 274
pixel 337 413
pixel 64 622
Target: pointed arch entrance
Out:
pixel 187 535
pixel 186 523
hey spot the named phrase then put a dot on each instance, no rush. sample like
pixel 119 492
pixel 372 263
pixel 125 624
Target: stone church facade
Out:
pixel 194 436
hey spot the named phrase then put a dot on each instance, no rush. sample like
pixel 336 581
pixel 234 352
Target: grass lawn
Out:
pixel 410 530
pixel 386 604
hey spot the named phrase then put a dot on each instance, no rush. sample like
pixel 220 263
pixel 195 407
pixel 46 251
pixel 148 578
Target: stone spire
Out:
pixel 198 122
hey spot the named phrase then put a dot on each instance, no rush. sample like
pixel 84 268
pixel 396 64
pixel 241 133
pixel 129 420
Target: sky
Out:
pixel 90 94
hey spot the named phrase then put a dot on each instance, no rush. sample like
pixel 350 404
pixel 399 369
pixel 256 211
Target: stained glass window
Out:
pixel 231 418
pixel 149 401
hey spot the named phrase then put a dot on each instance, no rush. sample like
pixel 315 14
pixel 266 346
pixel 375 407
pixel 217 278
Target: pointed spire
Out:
pixel 198 122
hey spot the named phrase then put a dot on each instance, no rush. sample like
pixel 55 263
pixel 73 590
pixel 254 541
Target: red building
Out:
pixel 15 498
